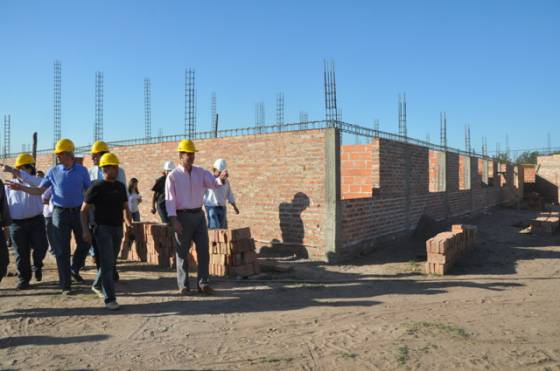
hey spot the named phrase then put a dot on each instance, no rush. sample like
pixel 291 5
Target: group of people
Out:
pixel 42 211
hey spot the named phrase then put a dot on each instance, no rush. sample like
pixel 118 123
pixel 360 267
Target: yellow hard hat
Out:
pixel 24 159
pixel 109 159
pixel 99 146
pixel 186 145
pixel 64 145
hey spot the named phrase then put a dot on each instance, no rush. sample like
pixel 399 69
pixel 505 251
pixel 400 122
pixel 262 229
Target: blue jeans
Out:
pixel 66 222
pixel 4 255
pixel 194 229
pixel 108 240
pixel 217 218
pixel 29 238
pixel 135 216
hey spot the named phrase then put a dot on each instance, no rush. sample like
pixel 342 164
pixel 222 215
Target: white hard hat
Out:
pixel 220 164
pixel 168 166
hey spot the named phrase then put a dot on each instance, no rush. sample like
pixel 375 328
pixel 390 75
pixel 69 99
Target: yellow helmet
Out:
pixel 186 145
pixel 64 145
pixel 99 146
pixel 24 159
pixel 109 159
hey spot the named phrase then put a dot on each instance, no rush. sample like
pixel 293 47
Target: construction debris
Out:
pixel 446 248
pixel 546 222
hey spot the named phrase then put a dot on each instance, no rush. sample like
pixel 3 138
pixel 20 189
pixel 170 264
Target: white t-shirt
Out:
pixel 133 201
pixel 219 196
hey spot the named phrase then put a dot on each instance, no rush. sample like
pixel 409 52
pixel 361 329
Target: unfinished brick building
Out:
pixel 301 191
pixel 547 177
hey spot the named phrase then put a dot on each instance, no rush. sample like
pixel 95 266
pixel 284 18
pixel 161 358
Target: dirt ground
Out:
pixel 499 309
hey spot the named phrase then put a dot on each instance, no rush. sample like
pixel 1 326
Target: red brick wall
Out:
pixel 529 172
pixel 356 170
pixel 547 177
pixel 278 180
pixel 397 207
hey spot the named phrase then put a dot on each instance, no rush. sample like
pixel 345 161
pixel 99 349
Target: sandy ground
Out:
pixel 498 310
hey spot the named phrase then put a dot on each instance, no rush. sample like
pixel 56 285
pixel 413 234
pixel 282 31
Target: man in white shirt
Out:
pixel 215 200
pixel 27 230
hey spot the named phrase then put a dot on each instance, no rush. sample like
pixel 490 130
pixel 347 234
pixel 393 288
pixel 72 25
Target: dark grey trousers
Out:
pixel 194 229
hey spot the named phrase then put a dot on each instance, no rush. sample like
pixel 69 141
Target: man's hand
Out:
pixel 9 169
pixel 15 186
pixel 177 227
pixel 86 236
pixel 153 211
pixel 235 209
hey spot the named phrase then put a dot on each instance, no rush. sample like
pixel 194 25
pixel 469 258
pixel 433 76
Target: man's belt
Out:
pixel 27 220
pixel 68 208
pixel 190 211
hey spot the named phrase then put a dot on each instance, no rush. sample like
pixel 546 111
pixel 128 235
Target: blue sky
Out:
pixel 492 64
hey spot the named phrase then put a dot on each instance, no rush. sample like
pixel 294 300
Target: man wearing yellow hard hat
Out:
pixel 98 149
pixel 184 192
pixel 69 180
pixel 27 230
pixel 5 220
pixel 109 198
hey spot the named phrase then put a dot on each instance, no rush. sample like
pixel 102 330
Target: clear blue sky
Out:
pixel 493 64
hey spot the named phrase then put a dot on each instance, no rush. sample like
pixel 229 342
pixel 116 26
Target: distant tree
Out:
pixel 503 157
pixel 528 157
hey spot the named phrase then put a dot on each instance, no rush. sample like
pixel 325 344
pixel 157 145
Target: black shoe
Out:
pixel 116 277
pixel 38 275
pixel 22 286
pixel 77 277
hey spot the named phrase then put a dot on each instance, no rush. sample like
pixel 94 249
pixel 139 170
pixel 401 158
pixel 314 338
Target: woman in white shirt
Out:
pixel 134 198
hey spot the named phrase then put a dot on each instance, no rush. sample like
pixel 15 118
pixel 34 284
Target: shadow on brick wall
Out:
pixel 548 190
pixel 292 228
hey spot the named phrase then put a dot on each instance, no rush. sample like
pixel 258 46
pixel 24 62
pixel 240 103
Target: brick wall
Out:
pixel 529 172
pixel 357 169
pixel 403 198
pixel 278 180
pixel 547 177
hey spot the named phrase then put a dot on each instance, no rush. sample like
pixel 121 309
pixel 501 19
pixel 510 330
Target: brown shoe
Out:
pixel 204 288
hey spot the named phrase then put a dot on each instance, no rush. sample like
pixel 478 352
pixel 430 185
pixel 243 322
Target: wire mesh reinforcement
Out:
pixel 270 129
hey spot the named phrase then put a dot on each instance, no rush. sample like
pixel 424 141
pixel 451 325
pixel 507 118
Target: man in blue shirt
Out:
pixel 69 180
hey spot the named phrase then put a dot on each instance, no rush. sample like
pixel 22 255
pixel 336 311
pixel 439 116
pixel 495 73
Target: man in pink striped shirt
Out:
pixel 184 191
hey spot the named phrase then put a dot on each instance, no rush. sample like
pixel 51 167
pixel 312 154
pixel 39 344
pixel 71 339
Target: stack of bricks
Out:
pixel 446 248
pixel 153 243
pixel 546 222
pixel 160 244
pixel 134 243
pixel 232 253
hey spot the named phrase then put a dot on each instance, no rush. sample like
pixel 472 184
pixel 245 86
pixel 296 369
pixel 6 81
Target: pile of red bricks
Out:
pixel 232 253
pixel 160 245
pixel 446 248
pixel 546 222
pixel 153 243
pixel 134 243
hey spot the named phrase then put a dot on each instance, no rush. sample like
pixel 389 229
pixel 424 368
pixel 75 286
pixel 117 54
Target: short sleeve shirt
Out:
pixel 68 185
pixel 108 199
pixel 159 189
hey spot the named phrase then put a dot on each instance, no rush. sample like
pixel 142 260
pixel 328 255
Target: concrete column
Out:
pixel 332 194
